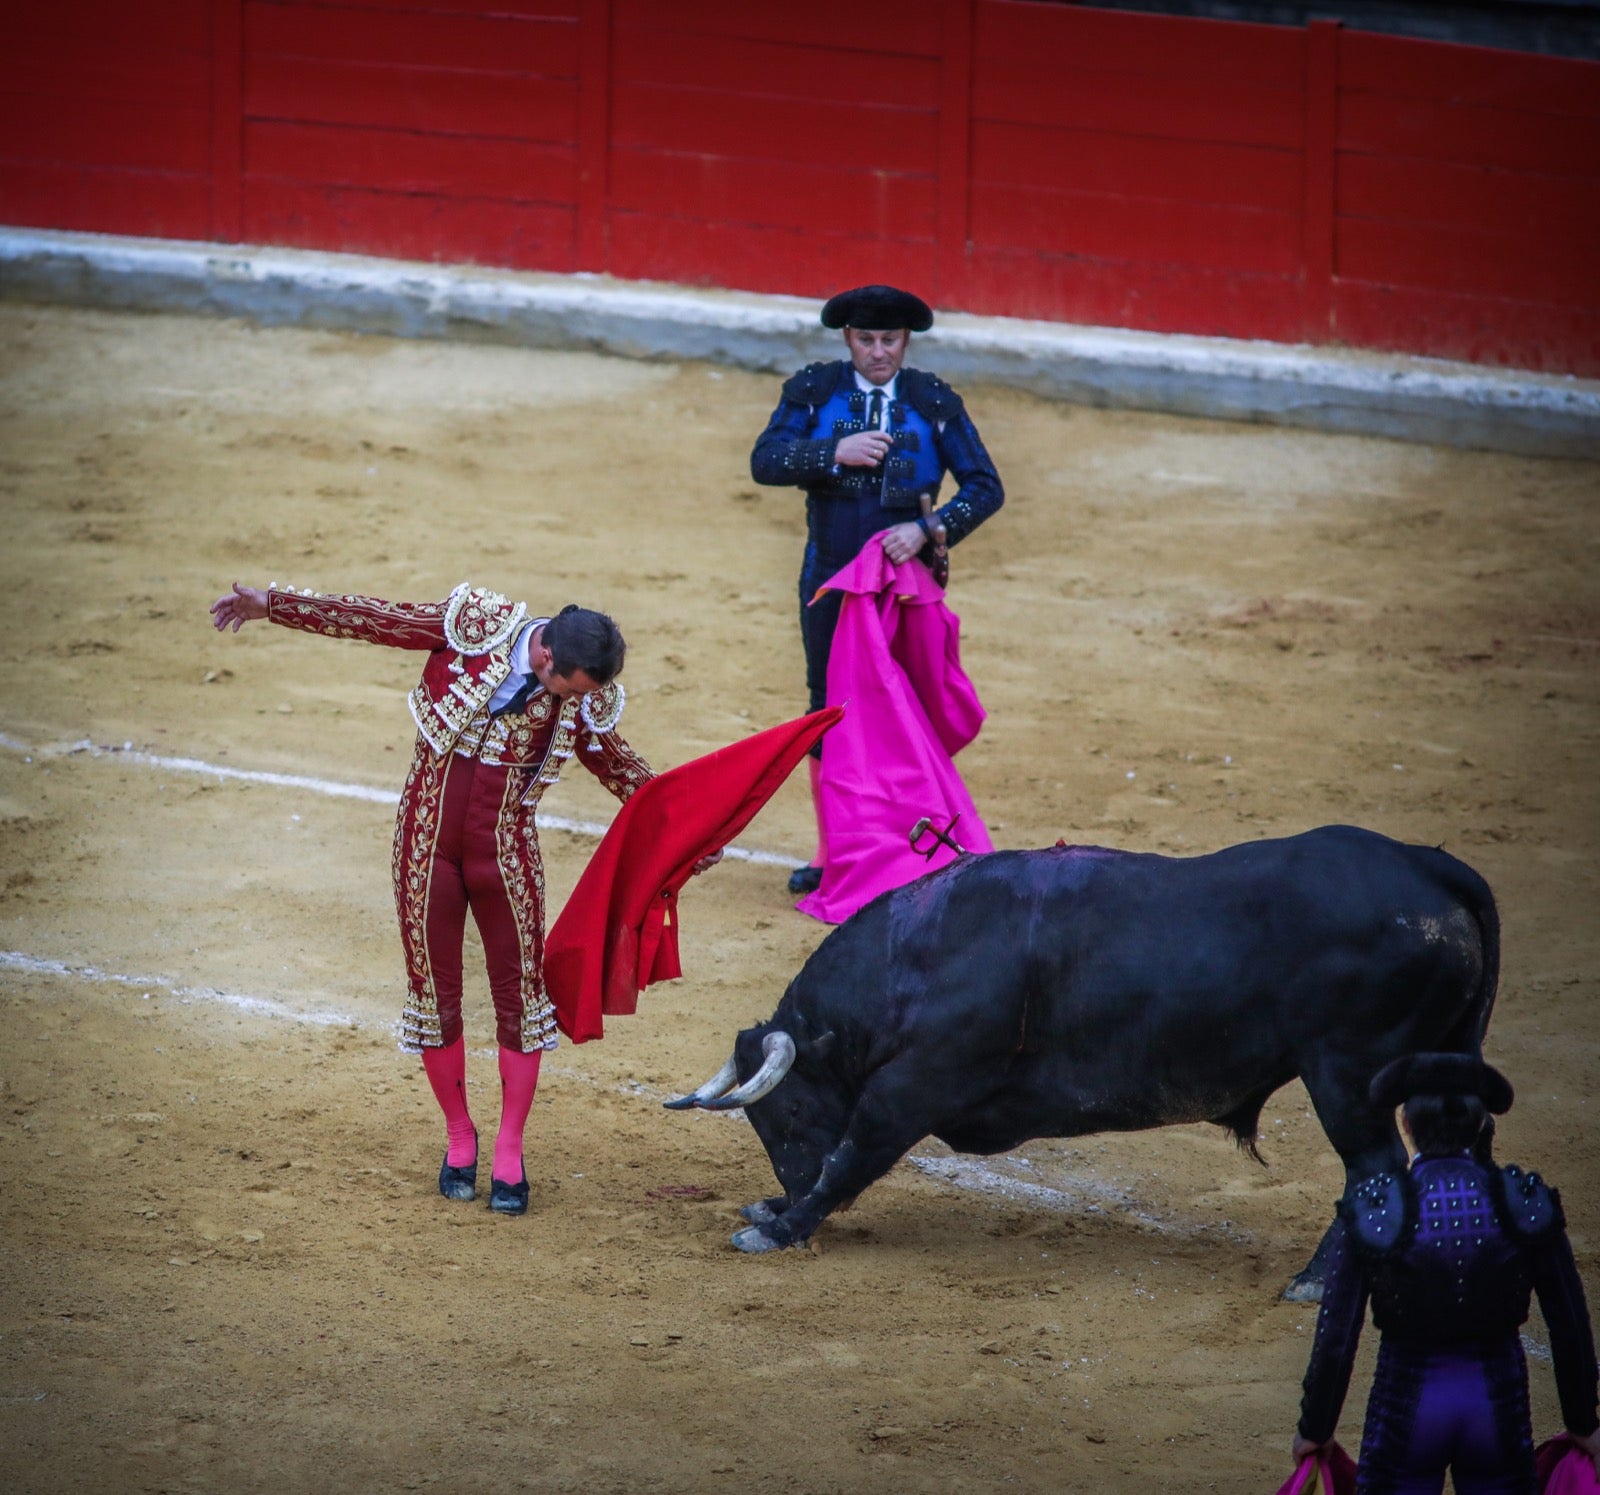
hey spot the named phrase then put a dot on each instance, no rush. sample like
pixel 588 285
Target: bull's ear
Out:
pixel 818 1048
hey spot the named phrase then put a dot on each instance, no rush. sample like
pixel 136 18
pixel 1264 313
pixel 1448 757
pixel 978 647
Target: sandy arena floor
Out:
pixel 225 1265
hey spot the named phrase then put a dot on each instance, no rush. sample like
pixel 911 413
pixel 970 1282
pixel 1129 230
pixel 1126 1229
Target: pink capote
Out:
pixel 1330 1471
pixel 1564 1468
pixel 896 663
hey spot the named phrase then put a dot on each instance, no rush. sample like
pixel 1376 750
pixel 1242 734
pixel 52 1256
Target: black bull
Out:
pixel 1055 993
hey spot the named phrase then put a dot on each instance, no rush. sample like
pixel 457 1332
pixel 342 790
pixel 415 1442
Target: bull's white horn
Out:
pixel 777 1055
pixel 719 1084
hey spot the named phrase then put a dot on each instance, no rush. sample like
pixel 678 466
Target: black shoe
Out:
pixel 508 1199
pixel 805 880
pixel 458 1183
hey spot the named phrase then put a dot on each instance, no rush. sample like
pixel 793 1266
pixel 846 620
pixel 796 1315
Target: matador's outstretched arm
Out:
pixel 400 625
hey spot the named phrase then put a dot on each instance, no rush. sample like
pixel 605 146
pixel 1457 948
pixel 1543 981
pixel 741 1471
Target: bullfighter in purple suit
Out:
pixel 1449 1253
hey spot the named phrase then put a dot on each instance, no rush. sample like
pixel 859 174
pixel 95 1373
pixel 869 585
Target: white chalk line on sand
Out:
pixel 1084 1196
pixel 15 960
pixel 962 1173
pixel 333 789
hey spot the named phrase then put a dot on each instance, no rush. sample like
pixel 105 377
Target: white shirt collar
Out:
pixel 866 386
pixel 519 650
pixel 521 669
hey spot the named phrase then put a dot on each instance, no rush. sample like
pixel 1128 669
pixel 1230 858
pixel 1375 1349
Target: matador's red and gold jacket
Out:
pixel 469 637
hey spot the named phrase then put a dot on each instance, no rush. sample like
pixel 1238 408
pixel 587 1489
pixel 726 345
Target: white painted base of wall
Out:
pixel 1412 399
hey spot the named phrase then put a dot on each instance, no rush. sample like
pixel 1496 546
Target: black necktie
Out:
pixel 520 699
pixel 875 423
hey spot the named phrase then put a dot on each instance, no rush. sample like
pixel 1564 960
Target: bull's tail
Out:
pixel 1243 1123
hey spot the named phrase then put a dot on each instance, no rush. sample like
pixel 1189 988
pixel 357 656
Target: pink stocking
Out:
pixel 815 766
pixel 519 1074
pixel 447 1072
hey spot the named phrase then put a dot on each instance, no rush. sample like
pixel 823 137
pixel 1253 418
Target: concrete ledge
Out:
pixel 1413 399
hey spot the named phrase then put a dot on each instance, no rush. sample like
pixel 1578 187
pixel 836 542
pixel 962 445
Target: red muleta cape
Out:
pixel 619 929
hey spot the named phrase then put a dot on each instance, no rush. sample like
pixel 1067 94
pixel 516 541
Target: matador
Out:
pixel 505 699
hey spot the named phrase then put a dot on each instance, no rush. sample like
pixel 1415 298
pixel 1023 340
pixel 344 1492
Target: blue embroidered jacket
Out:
pixel 931 432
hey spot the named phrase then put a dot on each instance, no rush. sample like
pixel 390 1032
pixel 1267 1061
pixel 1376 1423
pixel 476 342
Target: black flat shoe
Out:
pixel 458 1183
pixel 805 880
pixel 508 1199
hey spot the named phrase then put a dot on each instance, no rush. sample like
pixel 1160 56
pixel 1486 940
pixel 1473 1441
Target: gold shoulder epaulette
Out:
pixel 477 620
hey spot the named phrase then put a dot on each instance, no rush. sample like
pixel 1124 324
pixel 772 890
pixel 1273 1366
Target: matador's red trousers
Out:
pixel 464 841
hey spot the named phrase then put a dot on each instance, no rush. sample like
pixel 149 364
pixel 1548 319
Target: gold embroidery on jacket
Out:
pixel 622 770
pixel 517 851
pixel 415 836
pixel 404 624
pixel 602 709
pixel 463 708
pixel 477 620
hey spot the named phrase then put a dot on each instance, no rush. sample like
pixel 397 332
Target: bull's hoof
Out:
pixel 759 1213
pixel 754 1241
pixel 1304 1288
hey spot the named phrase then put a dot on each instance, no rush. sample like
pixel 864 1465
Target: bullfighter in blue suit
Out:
pixel 868 440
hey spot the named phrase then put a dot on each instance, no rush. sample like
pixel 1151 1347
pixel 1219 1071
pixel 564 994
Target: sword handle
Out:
pixel 940 563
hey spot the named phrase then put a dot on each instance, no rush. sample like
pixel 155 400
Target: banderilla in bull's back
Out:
pixel 1055 993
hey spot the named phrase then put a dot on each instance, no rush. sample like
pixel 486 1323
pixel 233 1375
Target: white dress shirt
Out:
pixel 866 386
pixel 520 668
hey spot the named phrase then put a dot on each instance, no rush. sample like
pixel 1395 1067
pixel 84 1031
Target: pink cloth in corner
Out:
pixel 896 665
pixel 1564 1468
pixel 1330 1471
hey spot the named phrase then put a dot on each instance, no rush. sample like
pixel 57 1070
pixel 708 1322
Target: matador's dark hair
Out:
pixel 579 638
pixel 1443 1124
pixel 1447 1098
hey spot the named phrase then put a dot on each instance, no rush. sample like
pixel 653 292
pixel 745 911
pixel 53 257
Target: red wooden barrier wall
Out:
pixel 1007 156
pixel 106 116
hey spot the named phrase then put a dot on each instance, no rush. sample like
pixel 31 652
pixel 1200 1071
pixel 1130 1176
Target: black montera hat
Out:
pixel 1441 1074
pixel 878 309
